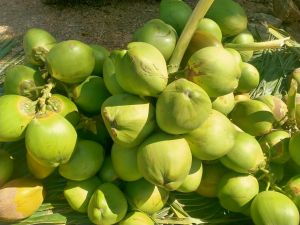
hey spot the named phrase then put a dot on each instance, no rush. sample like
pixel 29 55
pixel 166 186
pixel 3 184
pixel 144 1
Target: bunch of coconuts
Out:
pixel 125 133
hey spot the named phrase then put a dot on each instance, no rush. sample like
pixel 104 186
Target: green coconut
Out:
pixel 276 146
pixel 253 117
pixel 109 73
pixel 6 166
pixel 79 193
pixel 159 34
pixel 224 104
pixel 244 37
pixel 124 161
pixel 235 191
pixel 90 95
pixel 294 148
pixel 129 119
pixel 85 162
pixel 200 39
pixel 36 43
pixel 271 207
pixel 212 174
pixel 37 169
pixel 23 80
pixel 70 61
pixel 213 139
pixel 137 218
pixel 107 171
pixel 182 107
pixel 229 15
pixel 236 55
pixel 246 156
pixel 209 26
pixel 175 12
pixel 142 70
pixel 249 79
pixel 165 160
pixel 108 205
pixel 297 112
pixel 15 115
pixel 145 196
pixel 100 53
pixel 292 188
pixel 193 179
pixel 65 107
pixel 17 152
pixel 50 139
pixel 277 106
pixel 215 70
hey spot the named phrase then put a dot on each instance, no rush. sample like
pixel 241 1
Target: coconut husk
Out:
pixel 287 10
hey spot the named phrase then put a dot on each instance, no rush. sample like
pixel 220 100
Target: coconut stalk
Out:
pixel 274 44
pixel 198 13
pixel 279 34
pixel 291 101
pixel 46 94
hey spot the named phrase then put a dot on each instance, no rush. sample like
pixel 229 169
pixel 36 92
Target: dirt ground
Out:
pixel 110 25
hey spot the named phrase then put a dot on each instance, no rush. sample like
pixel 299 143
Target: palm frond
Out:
pixel 275 66
pixel 10 54
pixel 208 210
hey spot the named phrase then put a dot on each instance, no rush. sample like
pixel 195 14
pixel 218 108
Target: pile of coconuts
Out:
pixel 124 132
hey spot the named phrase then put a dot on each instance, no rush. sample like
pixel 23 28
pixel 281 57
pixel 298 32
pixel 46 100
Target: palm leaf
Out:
pixel 275 66
pixel 205 210
pixel 10 54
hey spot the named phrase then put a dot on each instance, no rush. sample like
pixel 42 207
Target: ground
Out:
pixel 110 25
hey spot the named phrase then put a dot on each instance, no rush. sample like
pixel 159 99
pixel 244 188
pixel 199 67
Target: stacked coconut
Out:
pixel 124 132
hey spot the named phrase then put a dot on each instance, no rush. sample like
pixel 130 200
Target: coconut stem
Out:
pixel 32 92
pixel 265 171
pixel 268 185
pixel 40 54
pixel 46 94
pixel 294 46
pixel 278 189
pixel 291 104
pixel 187 33
pixel 258 45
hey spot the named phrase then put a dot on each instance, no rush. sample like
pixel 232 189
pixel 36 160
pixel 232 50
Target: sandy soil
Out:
pixel 109 25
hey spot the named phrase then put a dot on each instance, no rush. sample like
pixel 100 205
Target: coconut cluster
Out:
pixel 125 133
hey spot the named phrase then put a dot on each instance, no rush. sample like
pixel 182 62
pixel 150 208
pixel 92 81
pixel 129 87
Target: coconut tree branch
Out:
pixel 187 33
